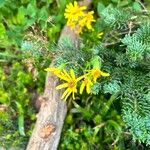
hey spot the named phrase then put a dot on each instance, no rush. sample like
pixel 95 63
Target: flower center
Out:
pixel 71 84
pixel 96 73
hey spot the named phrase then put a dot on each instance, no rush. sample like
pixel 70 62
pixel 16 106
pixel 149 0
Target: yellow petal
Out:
pixel 73 95
pixel 65 93
pixel 61 86
pixel 67 10
pixel 69 6
pixel 104 74
pixel 66 74
pixel 66 15
pixel 74 90
pixel 91 12
pixel 63 77
pixel 83 7
pixel 101 33
pixel 82 22
pixel 72 74
pixel 88 88
pixel 89 26
pixel 94 79
pixel 79 78
pixel 50 69
pixel 82 87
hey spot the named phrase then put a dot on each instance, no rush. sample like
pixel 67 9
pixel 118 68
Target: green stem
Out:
pixel 108 104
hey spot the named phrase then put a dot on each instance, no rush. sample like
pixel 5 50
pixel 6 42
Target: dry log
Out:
pixel 50 119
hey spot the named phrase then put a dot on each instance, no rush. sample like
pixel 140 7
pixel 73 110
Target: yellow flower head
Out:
pixel 78 18
pixel 89 19
pixel 86 83
pixel 73 12
pixel 71 83
pixel 96 73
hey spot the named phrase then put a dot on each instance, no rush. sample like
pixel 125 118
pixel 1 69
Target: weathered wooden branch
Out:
pixel 50 119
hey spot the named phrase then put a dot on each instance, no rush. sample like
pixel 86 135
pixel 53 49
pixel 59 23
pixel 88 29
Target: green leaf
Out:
pixel 30 22
pixel 115 1
pixel 69 119
pixel 19 108
pixel 48 1
pixel 42 17
pixel 96 62
pixel 2 30
pixel 107 105
pixel 31 10
pixel 21 124
pixel 20 119
pixel 2 3
pixel 97 119
pixel 137 7
pixel 43 14
pixel 100 8
pixel 116 126
pixel 124 3
pixel 21 16
pixel 24 1
pixel 62 4
pixel 3 97
pixel 8 137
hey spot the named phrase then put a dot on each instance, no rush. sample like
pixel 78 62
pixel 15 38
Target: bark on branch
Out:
pixel 50 119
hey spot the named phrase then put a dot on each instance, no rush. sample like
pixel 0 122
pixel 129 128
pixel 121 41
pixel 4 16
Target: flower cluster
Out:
pixel 78 18
pixel 71 81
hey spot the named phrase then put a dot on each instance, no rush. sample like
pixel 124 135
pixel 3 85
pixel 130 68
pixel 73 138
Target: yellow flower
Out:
pixel 78 18
pixel 86 83
pixel 99 35
pixel 96 73
pixel 71 83
pixel 87 20
pixel 74 12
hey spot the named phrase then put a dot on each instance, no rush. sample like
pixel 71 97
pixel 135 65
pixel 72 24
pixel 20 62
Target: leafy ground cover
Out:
pixel 109 104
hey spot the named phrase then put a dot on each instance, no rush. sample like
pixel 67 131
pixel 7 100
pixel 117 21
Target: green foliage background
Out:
pixel 116 115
